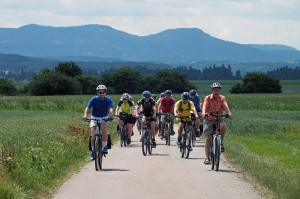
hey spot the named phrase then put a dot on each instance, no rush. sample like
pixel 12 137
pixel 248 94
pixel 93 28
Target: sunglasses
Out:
pixel 125 99
pixel 101 92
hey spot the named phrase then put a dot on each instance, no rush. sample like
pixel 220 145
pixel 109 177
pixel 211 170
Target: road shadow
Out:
pixel 114 170
pixel 196 158
pixel 223 170
pixel 157 154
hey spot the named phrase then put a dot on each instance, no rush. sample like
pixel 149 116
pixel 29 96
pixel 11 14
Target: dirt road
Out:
pixel 127 173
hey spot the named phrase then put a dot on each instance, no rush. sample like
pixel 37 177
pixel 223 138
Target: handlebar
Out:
pixel 107 118
pixel 216 115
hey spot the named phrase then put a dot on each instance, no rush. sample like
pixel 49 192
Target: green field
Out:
pixel 43 140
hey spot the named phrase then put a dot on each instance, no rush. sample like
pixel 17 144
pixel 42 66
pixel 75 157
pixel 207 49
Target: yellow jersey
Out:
pixel 185 109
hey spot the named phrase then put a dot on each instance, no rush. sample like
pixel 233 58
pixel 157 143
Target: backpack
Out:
pixel 180 105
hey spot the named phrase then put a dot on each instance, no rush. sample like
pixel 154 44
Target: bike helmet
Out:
pixel 168 92
pixel 125 96
pixel 216 85
pixel 193 92
pixel 185 95
pixel 153 96
pixel 101 87
pixel 162 94
pixel 146 94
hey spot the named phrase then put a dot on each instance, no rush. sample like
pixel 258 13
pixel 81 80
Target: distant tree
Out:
pixel 257 82
pixel 123 80
pixel 88 84
pixel 169 79
pixel 52 83
pixel 69 68
pixel 7 87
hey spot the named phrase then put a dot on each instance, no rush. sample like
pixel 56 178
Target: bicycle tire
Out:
pixel 98 153
pixel 194 134
pixel 218 153
pixel 187 145
pixel 167 134
pixel 149 143
pixel 212 154
pixel 144 144
pixel 182 146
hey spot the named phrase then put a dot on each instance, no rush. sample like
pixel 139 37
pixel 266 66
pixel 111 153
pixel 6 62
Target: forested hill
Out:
pixel 103 43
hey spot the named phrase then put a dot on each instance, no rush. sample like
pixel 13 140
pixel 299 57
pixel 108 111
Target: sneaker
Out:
pixel 178 142
pixel 222 148
pixel 153 144
pixel 92 157
pixel 173 132
pixel 191 149
pixel 128 141
pixel 105 150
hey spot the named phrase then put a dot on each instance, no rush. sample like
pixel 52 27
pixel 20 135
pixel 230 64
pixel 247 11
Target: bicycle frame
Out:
pixel 147 138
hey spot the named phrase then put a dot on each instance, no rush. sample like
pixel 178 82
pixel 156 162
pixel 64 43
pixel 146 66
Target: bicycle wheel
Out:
pixel 187 145
pixel 144 144
pixel 212 153
pixel 167 134
pixel 218 152
pixel 183 145
pixel 149 143
pixel 98 153
pixel 125 135
pixel 194 134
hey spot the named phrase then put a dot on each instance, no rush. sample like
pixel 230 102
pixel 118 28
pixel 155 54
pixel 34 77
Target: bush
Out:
pixel 7 87
pixel 257 82
pixel 52 83
pixel 71 69
pixel 88 84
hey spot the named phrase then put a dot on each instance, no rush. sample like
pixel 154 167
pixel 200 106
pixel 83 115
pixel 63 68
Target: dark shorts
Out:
pixel 184 122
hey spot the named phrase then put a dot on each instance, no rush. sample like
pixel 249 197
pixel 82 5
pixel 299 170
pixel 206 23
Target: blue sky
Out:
pixel 242 21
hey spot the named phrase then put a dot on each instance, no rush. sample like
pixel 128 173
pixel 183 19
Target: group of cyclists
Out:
pixel 189 104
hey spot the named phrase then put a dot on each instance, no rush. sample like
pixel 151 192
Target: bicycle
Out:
pixel 194 125
pixel 185 146
pixel 168 129
pixel 215 150
pixel 123 130
pixel 98 154
pixel 147 144
pixel 139 123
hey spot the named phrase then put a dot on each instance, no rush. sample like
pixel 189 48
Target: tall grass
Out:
pixel 264 140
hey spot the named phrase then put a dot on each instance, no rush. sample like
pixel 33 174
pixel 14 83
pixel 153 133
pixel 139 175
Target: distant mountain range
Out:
pixel 103 43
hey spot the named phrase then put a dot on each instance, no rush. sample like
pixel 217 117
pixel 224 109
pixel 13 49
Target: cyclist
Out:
pixel 102 106
pixel 183 108
pixel 215 103
pixel 126 106
pixel 166 105
pixel 159 116
pixel 149 110
pixel 194 97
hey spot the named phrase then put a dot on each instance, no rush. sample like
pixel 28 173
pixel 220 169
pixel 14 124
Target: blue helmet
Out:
pixel 162 94
pixel 193 92
pixel 146 94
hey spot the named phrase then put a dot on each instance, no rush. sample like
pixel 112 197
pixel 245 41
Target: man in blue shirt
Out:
pixel 102 106
pixel 194 97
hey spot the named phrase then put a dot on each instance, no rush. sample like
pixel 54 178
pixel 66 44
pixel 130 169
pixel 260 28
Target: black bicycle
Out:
pixel 168 128
pixel 215 150
pixel 139 123
pixel 147 144
pixel 194 125
pixel 123 130
pixel 186 138
pixel 98 152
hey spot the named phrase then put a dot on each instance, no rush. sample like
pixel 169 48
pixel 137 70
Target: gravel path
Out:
pixel 164 174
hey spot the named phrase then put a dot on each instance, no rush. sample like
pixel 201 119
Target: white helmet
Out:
pixel 216 85
pixel 101 87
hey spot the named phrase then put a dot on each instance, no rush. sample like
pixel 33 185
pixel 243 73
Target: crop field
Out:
pixel 43 140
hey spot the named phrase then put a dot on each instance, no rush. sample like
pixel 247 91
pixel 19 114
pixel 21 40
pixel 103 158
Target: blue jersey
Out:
pixel 196 101
pixel 100 106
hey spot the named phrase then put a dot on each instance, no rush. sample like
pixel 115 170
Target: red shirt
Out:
pixel 214 104
pixel 167 105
